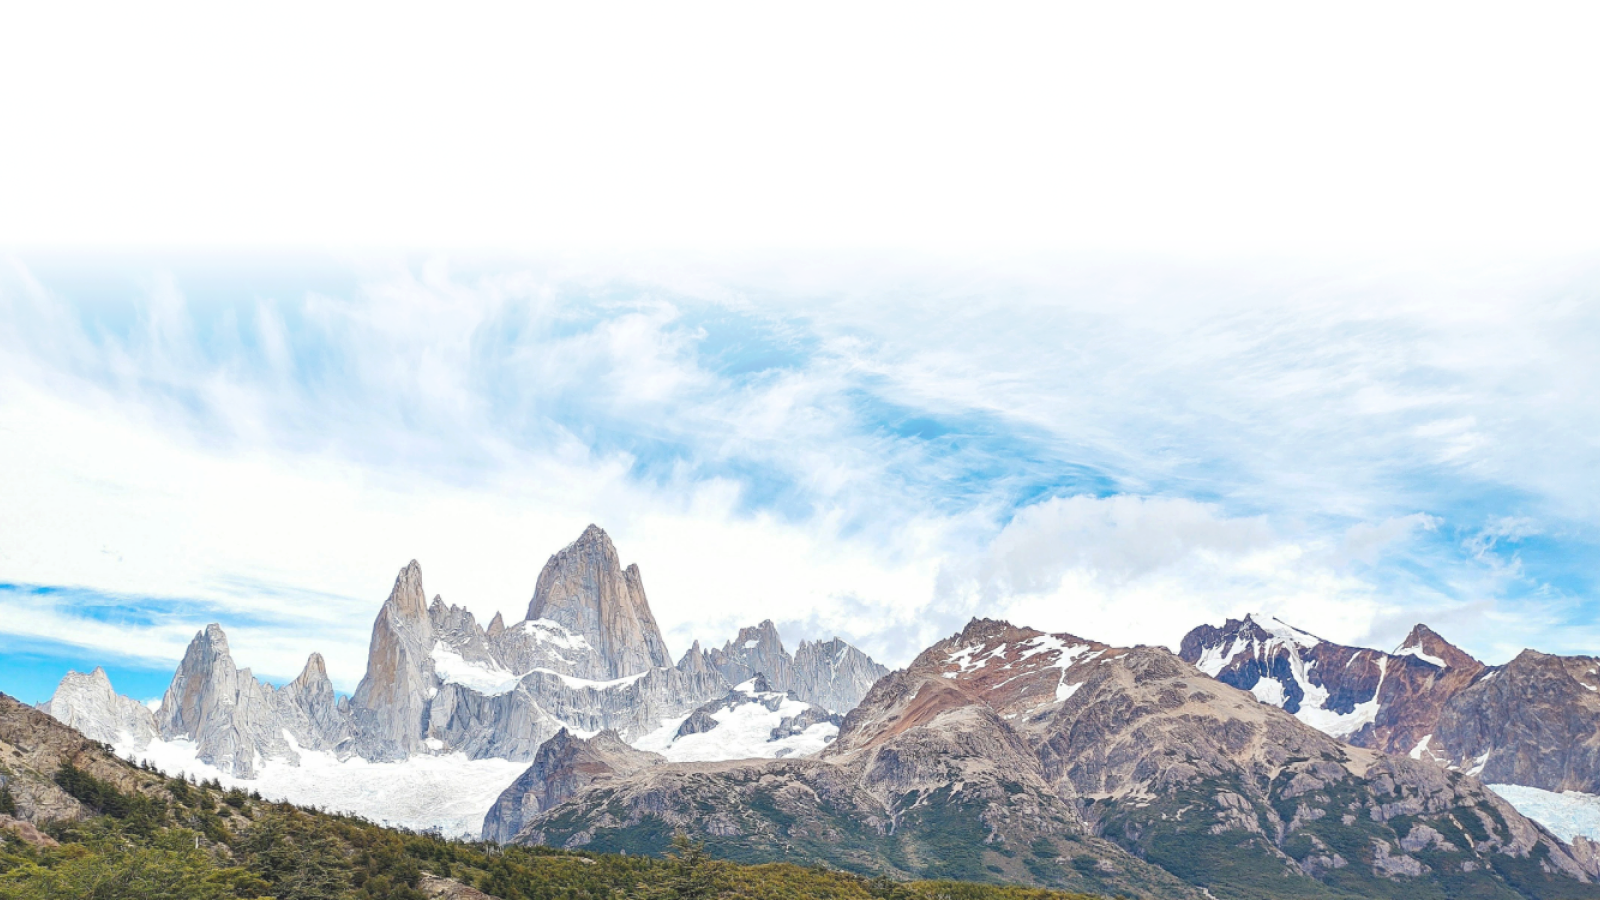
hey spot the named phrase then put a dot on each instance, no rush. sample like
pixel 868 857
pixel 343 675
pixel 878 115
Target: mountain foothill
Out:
pixel 1258 761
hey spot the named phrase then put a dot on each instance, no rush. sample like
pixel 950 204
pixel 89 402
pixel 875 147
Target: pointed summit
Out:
pixel 584 589
pixel 89 704
pixel 407 599
pixel 497 627
pixel 316 671
pixel 1425 644
pixel 389 701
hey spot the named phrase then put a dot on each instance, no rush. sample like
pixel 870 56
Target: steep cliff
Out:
pixel 585 590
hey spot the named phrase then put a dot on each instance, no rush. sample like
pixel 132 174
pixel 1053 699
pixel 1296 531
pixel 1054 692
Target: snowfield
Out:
pixel 742 732
pixel 1566 814
pixel 449 792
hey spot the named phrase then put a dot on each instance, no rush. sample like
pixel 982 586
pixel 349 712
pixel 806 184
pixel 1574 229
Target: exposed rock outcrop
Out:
pixel 391 701
pixel 1533 721
pixel 564 765
pixel 1053 740
pixel 832 674
pixel 90 704
pixel 585 590
pixel 34 745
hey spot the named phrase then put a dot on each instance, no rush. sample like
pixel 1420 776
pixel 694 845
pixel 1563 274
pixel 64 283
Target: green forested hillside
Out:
pixel 173 839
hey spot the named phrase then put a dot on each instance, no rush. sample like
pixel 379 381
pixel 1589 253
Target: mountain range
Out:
pixel 1534 721
pixel 589 656
pixel 1258 761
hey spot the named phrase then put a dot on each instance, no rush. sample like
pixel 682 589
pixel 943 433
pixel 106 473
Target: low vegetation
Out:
pixel 186 841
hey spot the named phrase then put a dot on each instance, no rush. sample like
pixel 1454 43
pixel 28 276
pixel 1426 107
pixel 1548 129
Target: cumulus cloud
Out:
pixel 1131 569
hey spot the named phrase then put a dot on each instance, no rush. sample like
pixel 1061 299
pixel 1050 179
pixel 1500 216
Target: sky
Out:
pixel 866 321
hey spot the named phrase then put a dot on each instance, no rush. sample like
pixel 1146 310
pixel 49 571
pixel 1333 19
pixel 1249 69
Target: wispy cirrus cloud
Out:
pixel 879 450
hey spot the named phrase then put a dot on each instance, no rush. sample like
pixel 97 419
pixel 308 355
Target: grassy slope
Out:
pixel 149 836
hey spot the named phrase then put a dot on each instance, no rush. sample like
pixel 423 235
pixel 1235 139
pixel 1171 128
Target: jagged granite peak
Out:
pixel 407 600
pixel 311 693
pixel 1383 701
pixel 1050 740
pixel 757 648
pixel 389 704
pixel 584 589
pixel 564 765
pixel 497 627
pixel 231 717
pixel 91 705
pixel 455 627
pixel 832 674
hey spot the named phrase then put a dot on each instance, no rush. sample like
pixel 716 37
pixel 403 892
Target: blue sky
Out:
pixel 1106 318
pixel 1121 449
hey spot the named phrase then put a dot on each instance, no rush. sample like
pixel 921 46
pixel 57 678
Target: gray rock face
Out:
pixel 312 710
pixel 756 650
pixel 831 674
pixel 589 659
pixel 1056 740
pixel 389 704
pixel 514 724
pixel 223 709
pixel 89 704
pixel 238 722
pixel 565 765
pixel 585 590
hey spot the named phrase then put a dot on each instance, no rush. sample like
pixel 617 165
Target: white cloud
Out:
pixel 280 458
pixel 1146 570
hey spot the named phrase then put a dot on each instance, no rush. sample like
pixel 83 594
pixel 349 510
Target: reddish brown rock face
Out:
pixel 1129 756
pixel 1533 721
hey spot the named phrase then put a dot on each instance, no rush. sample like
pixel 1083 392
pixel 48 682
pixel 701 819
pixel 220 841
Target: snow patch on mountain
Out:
pixel 487 678
pixel 1326 720
pixel 1215 659
pixel 1417 652
pixel 449 792
pixel 965 659
pixel 1567 814
pixel 743 731
pixel 1268 691
pixel 552 632
pixel 580 684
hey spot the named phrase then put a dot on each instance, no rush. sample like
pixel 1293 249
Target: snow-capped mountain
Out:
pixel 1385 701
pixel 1013 752
pixel 1533 722
pixel 588 657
